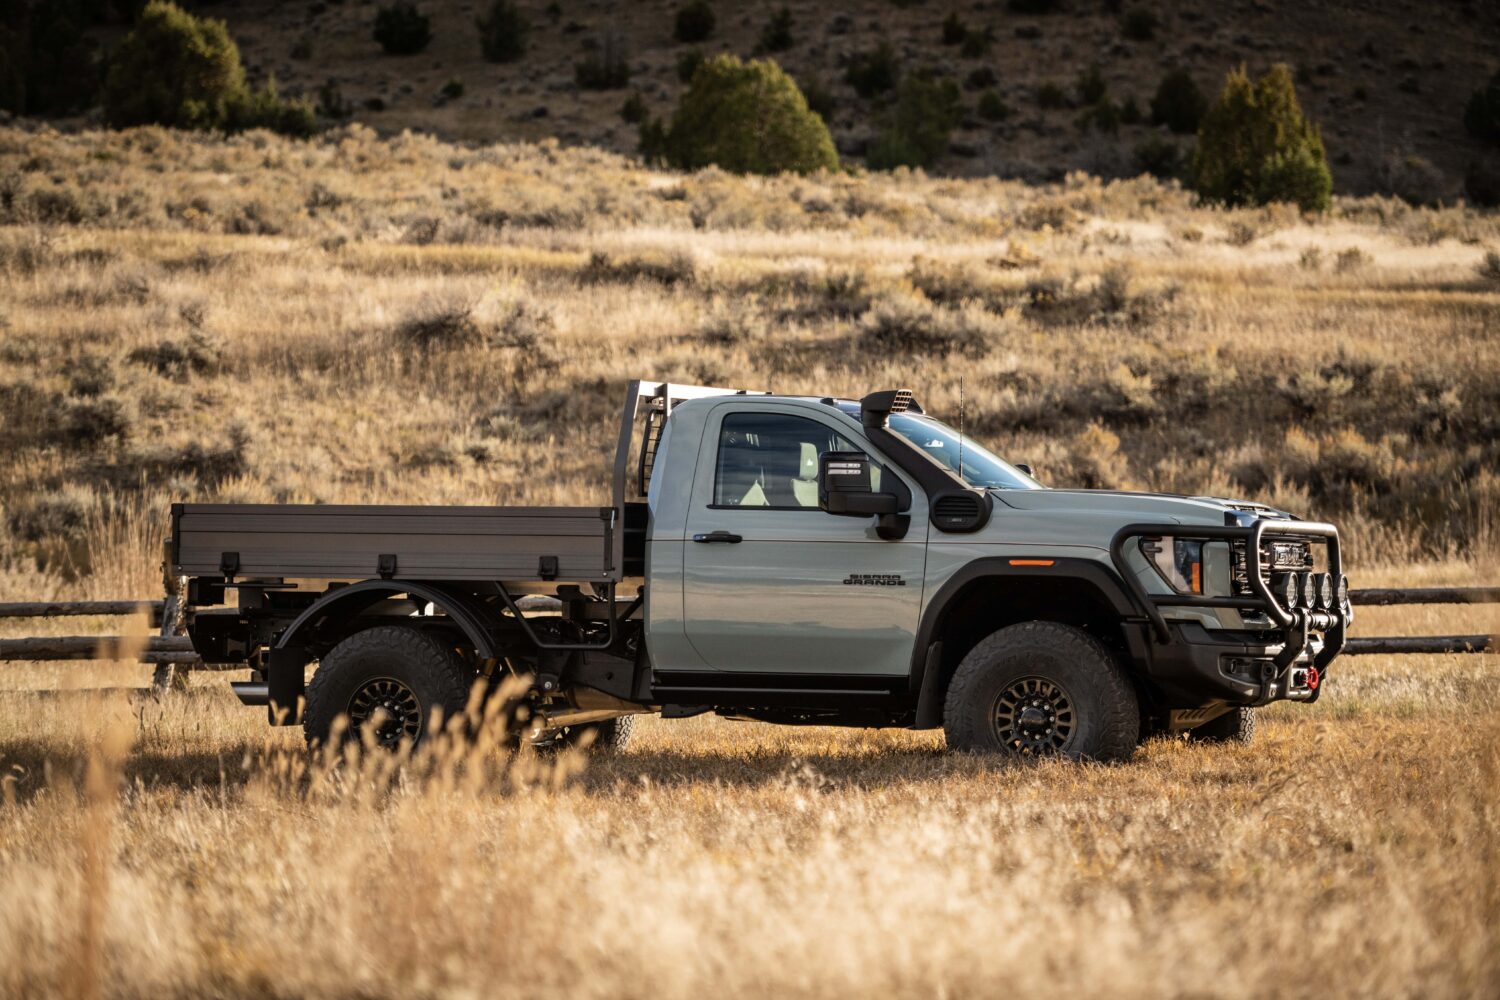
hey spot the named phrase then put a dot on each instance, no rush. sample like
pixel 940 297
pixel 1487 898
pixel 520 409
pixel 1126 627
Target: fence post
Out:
pixel 168 675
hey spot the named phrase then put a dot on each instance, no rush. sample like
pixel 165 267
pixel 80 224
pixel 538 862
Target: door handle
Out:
pixel 718 536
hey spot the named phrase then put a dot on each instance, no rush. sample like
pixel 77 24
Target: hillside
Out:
pixel 406 320
pixel 1387 79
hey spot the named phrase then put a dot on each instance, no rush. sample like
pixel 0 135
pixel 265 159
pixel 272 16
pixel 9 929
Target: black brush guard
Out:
pixel 1295 624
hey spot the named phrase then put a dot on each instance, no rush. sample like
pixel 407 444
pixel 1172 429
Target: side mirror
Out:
pixel 845 488
pixel 845 483
pixel 1025 468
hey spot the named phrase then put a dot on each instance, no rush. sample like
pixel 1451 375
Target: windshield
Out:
pixel 981 468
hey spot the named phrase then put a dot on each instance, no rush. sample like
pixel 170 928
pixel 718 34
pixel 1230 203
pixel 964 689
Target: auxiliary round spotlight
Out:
pixel 1307 590
pixel 1284 589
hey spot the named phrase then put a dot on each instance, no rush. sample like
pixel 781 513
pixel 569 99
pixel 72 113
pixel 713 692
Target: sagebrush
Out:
pixel 363 319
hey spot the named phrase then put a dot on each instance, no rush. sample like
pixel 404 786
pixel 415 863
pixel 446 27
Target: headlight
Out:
pixel 1178 561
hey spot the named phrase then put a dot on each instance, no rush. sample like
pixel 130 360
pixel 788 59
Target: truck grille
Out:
pixel 1286 555
pixel 1274 556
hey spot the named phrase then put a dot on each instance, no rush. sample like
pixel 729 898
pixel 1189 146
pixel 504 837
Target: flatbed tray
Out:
pixel 355 542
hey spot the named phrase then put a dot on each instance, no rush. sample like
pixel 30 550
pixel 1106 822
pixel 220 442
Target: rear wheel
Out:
pixel 387 681
pixel 1235 726
pixel 1040 689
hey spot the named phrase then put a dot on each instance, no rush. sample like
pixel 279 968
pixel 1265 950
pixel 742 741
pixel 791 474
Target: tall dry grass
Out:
pixel 1351 852
pixel 407 321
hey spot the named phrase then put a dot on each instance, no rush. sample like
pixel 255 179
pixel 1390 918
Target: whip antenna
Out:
pixel 961 429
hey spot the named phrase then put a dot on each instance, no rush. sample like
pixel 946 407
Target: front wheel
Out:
pixel 609 737
pixel 1235 726
pixel 1041 689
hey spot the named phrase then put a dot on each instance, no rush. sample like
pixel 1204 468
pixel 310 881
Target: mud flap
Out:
pixel 285 669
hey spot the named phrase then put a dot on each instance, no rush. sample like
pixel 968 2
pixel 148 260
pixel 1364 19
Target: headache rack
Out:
pixel 1295 622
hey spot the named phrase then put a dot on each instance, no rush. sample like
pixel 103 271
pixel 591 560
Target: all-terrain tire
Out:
pixel 1235 726
pixel 412 670
pixel 1070 677
pixel 610 736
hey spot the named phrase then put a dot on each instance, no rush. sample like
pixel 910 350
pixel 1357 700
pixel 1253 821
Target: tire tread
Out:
pixel 611 736
pixel 434 666
pixel 1121 720
pixel 1235 726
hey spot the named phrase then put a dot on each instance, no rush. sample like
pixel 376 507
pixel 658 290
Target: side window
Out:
pixel 770 460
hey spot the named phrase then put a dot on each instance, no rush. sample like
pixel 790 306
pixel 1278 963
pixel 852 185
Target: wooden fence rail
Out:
pixel 1425 595
pixel 172 651
pixel 1422 644
pixel 1393 644
pixel 146 649
pixel 63 609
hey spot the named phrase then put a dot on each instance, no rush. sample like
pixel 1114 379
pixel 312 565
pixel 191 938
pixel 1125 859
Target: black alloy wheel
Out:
pixel 389 708
pixel 1034 716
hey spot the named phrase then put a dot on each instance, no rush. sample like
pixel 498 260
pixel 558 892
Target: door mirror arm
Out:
pixel 890 524
pixel 861 504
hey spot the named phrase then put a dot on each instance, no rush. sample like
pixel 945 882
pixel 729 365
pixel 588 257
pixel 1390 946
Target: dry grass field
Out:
pixel 362 319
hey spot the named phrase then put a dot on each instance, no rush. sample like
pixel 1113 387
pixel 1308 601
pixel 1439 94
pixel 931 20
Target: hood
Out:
pixel 1136 506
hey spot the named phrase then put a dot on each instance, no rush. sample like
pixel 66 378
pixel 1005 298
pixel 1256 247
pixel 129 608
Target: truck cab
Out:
pixel 790 559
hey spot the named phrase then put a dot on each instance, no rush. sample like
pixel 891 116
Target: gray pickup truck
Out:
pixel 791 559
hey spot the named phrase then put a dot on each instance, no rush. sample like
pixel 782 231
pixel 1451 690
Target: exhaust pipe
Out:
pixel 251 692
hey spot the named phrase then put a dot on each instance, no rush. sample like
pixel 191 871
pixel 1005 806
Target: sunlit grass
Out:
pixel 204 318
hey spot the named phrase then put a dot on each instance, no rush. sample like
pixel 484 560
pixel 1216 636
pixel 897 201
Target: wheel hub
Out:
pixel 1034 716
pixel 389 708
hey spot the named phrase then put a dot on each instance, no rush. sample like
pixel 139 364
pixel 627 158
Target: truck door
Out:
pixel 772 584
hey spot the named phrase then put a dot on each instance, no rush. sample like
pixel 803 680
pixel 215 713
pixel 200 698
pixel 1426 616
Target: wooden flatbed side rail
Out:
pixel 1425 595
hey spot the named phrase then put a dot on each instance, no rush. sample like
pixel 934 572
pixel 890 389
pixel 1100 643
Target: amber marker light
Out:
pixel 1031 562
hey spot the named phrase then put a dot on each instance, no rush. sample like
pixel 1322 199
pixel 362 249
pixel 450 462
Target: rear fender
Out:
pixel 328 620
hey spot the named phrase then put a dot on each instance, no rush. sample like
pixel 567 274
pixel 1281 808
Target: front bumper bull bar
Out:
pixel 1295 624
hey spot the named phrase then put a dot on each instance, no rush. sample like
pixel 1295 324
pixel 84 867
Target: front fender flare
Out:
pixel 926 670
